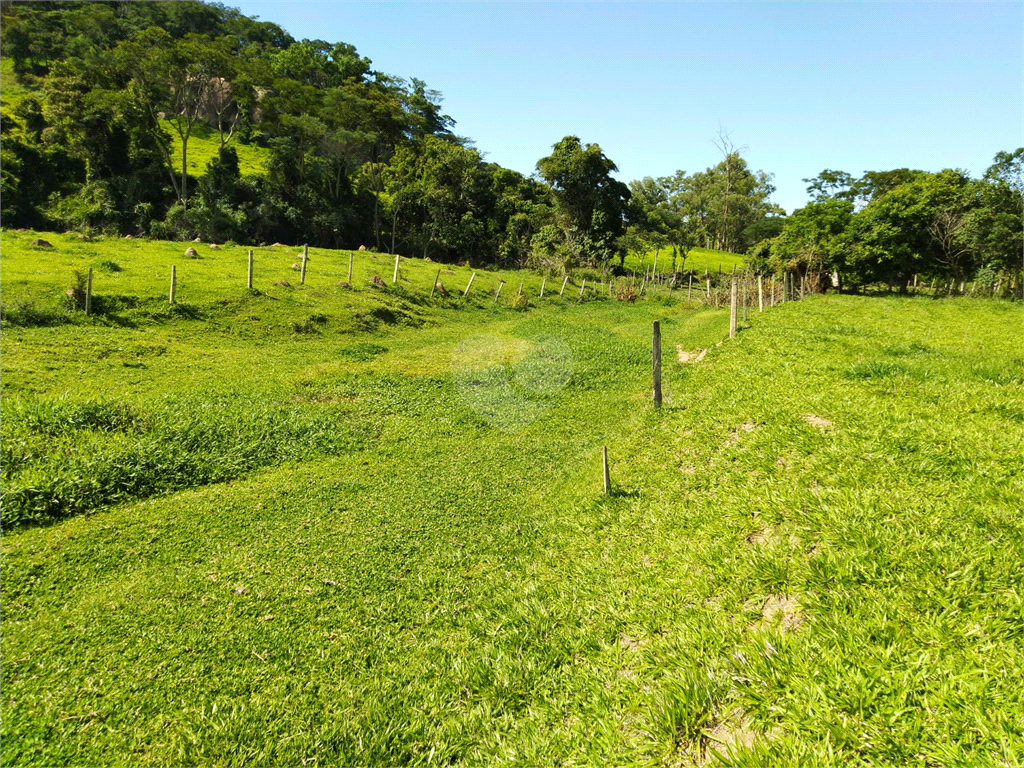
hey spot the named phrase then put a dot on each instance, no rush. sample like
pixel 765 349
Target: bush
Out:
pixel 519 303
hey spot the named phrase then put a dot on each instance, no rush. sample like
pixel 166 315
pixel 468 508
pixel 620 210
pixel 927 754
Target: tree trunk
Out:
pixel 184 171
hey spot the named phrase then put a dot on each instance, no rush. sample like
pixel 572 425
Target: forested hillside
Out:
pixel 177 120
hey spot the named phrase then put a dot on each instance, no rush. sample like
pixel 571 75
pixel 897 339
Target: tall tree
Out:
pixel 590 204
pixel 176 80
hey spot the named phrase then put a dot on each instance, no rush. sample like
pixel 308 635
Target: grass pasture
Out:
pixel 323 525
pixel 697 260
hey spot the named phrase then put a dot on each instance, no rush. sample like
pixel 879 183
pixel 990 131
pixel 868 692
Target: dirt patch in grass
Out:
pixel 629 643
pixel 734 731
pixel 764 536
pixel 784 609
pixel 690 357
pixel 816 421
pixel 744 428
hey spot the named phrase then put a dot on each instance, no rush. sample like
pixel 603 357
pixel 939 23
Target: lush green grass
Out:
pixel 812 552
pixel 204 146
pixel 11 91
pixel 697 259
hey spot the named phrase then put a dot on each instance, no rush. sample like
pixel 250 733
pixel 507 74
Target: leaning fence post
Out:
pixel 434 286
pixel 305 255
pixel 656 363
pixel 563 285
pixel 174 283
pixel 394 279
pixel 249 279
pixel 465 293
pixel 497 293
pixel 583 287
pixel 542 284
pixel 520 289
pixel 88 293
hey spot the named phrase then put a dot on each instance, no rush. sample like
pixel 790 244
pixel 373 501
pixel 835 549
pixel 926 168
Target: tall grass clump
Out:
pixel 62 458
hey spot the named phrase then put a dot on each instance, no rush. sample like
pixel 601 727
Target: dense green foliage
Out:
pixel 177 120
pixel 111 99
pixel 356 554
pixel 888 227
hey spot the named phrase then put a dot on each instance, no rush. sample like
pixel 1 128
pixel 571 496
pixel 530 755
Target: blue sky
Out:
pixel 802 86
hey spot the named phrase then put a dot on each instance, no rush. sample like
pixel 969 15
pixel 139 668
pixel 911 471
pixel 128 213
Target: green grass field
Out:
pixel 323 525
pixel 697 260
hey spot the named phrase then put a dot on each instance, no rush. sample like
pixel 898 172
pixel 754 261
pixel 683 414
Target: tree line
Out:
pixel 894 226
pixel 118 92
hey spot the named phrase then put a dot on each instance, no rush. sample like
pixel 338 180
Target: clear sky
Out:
pixel 804 86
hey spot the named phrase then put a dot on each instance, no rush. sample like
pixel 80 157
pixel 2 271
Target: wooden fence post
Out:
pixel 249 279
pixel 732 309
pixel 520 288
pixel 563 285
pixel 760 293
pixel 174 283
pixel 542 284
pixel 583 287
pixel 394 279
pixel 744 297
pixel 656 363
pixel 434 286
pixel 689 288
pixel 88 293
pixel 302 274
pixel 497 293
pixel 468 285
pixel 350 257
pixel 607 476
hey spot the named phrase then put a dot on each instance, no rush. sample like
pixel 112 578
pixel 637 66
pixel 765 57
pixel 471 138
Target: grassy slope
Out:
pixel 11 91
pixel 454 588
pixel 697 259
pixel 204 146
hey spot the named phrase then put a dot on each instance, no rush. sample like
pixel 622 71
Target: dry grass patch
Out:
pixel 816 421
pixel 690 357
